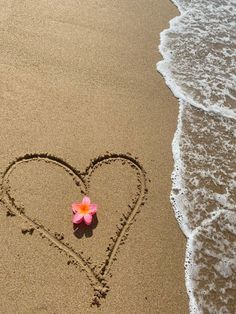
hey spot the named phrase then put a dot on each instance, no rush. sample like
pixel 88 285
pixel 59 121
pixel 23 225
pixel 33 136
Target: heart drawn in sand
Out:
pixel 98 279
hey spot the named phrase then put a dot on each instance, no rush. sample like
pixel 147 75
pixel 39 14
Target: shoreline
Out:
pixel 78 80
pixel 203 194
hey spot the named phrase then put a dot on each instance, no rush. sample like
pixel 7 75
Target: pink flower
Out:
pixel 83 211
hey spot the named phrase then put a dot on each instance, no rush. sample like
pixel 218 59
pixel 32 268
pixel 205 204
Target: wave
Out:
pixel 199 57
pixel 199 52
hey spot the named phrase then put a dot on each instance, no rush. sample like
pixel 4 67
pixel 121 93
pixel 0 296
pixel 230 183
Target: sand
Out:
pixel 83 111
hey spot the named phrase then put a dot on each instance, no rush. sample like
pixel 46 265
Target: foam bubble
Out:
pixel 213 245
pixel 199 51
pixel 204 177
pixel 199 66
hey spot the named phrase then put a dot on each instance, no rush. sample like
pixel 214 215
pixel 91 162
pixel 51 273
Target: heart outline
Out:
pixel 81 179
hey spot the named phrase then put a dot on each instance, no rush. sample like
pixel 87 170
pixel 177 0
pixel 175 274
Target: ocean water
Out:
pixel 199 66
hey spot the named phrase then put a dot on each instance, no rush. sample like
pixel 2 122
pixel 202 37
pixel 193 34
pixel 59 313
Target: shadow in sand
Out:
pixel 83 230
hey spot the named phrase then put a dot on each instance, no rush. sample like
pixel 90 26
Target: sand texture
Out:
pixel 84 112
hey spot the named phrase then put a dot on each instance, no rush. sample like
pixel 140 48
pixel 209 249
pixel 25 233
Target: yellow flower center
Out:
pixel 84 209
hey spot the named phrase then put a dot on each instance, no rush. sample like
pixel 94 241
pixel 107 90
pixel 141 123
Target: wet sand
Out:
pixel 80 93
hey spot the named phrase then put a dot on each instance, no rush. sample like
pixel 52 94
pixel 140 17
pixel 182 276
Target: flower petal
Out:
pixel 88 219
pixel 77 218
pixel 86 200
pixel 93 208
pixel 75 207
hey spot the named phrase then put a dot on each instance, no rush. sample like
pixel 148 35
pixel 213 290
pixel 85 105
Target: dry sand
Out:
pixel 78 80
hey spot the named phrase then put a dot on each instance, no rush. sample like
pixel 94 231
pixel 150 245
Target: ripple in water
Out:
pixel 199 51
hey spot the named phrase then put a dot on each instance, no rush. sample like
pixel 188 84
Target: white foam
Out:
pixel 178 188
pixel 204 150
pixel 210 244
pixel 199 51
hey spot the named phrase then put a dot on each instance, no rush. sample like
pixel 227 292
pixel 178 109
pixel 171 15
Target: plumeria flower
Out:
pixel 83 211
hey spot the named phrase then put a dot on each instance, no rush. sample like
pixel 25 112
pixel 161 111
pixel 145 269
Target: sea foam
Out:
pixel 199 58
pixel 199 52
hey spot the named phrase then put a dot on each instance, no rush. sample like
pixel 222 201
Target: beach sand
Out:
pixel 79 83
